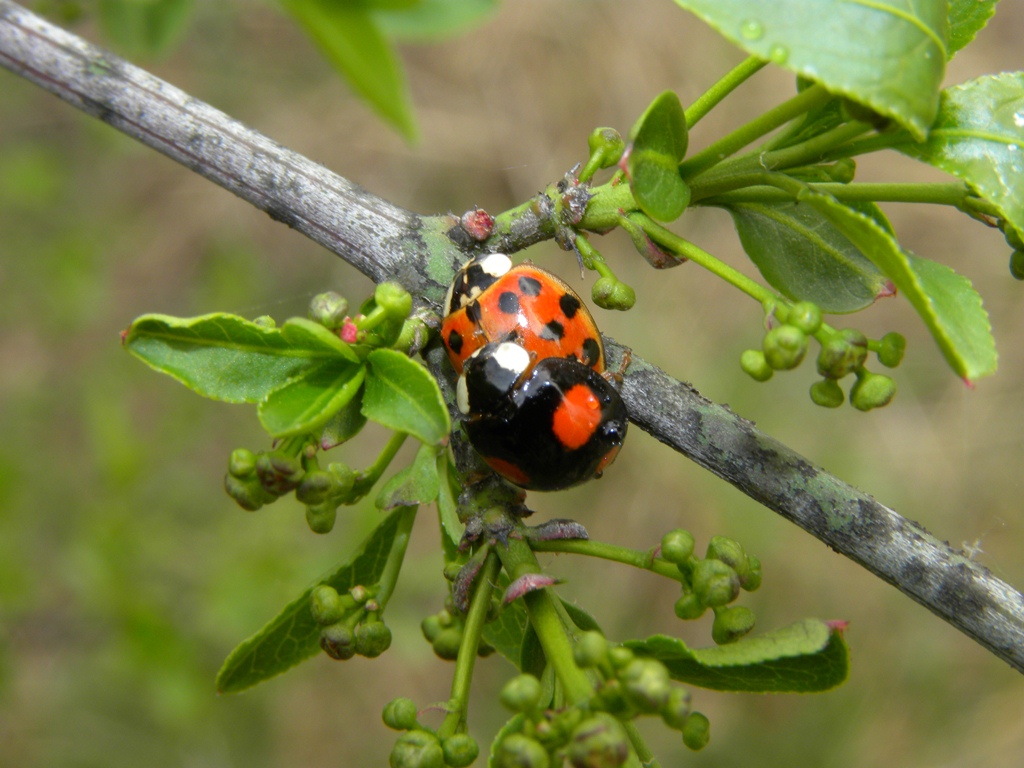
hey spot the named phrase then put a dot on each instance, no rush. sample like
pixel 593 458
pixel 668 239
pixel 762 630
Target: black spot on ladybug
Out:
pixel 473 313
pixel 553 331
pixel 530 286
pixel 591 351
pixel 508 303
pixel 569 305
pixel 455 342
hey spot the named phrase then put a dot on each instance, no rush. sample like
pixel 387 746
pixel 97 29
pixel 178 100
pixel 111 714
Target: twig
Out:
pixel 386 242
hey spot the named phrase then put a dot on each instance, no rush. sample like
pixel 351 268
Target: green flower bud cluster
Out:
pixel 544 738
pixel 443 630
pixel 420 747
pixel 606 148
pixel 592 734
pixel 256 479
pixel 713 582
pixel 383 320
pixel 609 292
pixel 843 352
pixel 350 623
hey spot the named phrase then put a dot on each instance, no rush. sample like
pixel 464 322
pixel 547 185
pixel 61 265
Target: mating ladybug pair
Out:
pixel 539 407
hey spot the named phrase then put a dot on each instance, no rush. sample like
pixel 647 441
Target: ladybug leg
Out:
pixel 615 377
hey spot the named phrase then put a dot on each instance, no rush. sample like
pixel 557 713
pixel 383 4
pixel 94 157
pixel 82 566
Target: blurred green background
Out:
pixel 126 574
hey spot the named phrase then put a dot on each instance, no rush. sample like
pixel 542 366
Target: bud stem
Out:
pixel 458 703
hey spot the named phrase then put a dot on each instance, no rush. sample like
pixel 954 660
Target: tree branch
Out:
pixel 387 242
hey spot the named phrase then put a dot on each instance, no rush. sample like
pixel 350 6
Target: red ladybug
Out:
pixel 543 424
pixel 491 300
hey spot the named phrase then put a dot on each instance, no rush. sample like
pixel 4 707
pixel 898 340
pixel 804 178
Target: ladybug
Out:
pixel 491 301
pixel 543 424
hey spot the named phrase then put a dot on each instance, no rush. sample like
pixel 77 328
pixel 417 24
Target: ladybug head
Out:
pixel 474 278
pixel 489 375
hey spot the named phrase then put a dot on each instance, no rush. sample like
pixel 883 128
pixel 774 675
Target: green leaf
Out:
pixel 293 636
pixel 979 138
pixel 947 302
pixel 966 19
pixel 448 506
pixel 580 617
pixel 889 55
pixel 806 258
pixel 306 402
pixel 401 395
pixel 345 424
pixel 806 657
pixel 144 27
pixel 507 633
pixel 435 20
pixel 220 356
pixel 350 38
pixel 659 141
pixel 416 484
pixel 300 332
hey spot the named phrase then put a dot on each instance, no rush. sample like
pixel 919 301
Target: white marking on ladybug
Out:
pixel 462 395
pixel 495 264
pixel 511 357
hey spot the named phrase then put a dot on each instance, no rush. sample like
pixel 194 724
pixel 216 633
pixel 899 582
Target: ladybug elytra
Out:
pixel 537 407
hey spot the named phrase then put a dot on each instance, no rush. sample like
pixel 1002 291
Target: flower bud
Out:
pixel 598 742
pixel 337 641
pixel 359 594
pixel 750 577
pixel 731 623
pixel 606 146
pixel 646 684
pixel 893 345
pixel 325 605
pixel 689 607
pixel 676 708
pixel 400 714
pixel 715 583
pixel 248 494
pixel 842 354
pixel 677 546
pixel 696 731
pixel 394 299
pixel 431 628
pixel 754 364
pixel 314 487
pixel 460 750
pixel 784 347
pixel 321 517
pixel 842 171
pixel 827 393
pixel 1017 264
pixel 417 749
pixel 278 474
pixel 342 480
pixel 729 551
pixel 872 390
pixel 522 693
pixel 591 650
pixel 620 656
pixel 805 315
pixel 242 463
pixel 611 293
pixel 372 638
pixel 519 751
pixel 446 644
pixel 329 309
pixel 1014 239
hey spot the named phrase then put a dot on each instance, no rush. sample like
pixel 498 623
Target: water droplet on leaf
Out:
pixel 779 54
pixel 752 29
